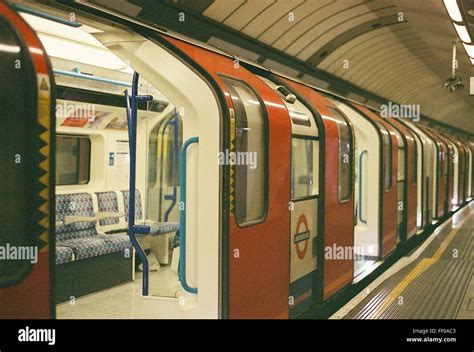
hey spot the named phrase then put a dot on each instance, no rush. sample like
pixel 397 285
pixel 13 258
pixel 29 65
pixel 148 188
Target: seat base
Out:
pixel 82 277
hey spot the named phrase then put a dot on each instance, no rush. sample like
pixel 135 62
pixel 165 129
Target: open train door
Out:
pixel 26 191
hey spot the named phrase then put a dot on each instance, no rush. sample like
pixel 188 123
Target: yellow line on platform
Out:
pixel 414 273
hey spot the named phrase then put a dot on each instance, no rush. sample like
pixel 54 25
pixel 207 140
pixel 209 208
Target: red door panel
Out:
pixel 442 160
pixel 338 217
pixel 410 177
pixel 259 277
pixel 26 189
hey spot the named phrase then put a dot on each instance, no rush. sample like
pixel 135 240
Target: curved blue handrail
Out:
pixel 182 218
pixel 360 186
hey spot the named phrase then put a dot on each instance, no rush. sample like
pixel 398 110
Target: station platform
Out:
pixel 435 281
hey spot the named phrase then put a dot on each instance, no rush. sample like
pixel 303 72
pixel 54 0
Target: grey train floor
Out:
pixel 439 284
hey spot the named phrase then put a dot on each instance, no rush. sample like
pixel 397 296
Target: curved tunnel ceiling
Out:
pixel 399 50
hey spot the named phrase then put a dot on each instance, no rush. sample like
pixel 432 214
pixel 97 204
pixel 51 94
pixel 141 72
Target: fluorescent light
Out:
pixel 453 10
pixel 14 49
pixel 469 49
pixel 81 53
pixel 80 35
pixel 463 33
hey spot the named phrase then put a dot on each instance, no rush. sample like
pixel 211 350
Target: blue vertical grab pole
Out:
pixel 133 229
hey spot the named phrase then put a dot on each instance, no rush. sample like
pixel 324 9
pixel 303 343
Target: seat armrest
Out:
pixel 71 219
pixel 108 214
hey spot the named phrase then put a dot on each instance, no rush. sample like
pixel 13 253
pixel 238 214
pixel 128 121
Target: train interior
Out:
pixel 92 65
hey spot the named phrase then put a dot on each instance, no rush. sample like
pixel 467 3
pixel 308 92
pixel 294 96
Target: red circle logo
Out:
pixel 302 222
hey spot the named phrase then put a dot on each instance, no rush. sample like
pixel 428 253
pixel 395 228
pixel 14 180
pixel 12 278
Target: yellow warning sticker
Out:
pixel 44 99
pixel 44 113
pixel 232 148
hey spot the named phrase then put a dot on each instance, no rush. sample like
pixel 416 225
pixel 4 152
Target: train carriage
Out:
pixel 227 189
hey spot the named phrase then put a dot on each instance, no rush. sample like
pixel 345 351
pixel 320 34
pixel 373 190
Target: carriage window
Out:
pixel 304 166
pixel 163 158
pixel 440 161
pixel 401 164
pixel 72 160
pixel 414 161
pixel 386 157
pixel 345 157
pixel 249 154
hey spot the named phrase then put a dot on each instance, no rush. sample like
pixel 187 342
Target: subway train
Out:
pixel 228 189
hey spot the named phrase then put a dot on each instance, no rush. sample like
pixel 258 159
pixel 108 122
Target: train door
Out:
pixel 198 194
pixel 469 170
pixel 335 261
pixel 442 173
pixel 420 194
pixel 367 180
pixel 388 184
pixel 459 171
pixel 455 201
pixel 443 178
pixel 412 183
pixel 462 172
pixel 26 194
pixel 439 169
pixel 256 267
pixel 304 206
pixel 448 191
pixel 401 184
pixel 466 174
pixel 159 141
pixel 410 176
pixel 427 158
pixel 450 175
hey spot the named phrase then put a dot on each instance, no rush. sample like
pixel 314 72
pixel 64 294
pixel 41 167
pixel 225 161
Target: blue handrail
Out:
pixel 47 16
pixel 360 187
pixel 182 218
pixel 133 229
pixel 173 197
pixel 78 74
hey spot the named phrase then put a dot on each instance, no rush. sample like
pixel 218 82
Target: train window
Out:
pixel 299 118
pixel 440 161
pixel 163 159
pixel 250 163
pixel 401 164
pixel 304 176
pixel 386 157
pixel 414 160
pixel 345 158
pixel 72 160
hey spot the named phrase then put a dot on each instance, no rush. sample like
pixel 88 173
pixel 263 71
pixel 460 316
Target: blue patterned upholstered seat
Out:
pixel 64 255
pixel 119 240
pixel 162 227
pixel 94 246
pixel 156 228
pixel 107 202
pixel 80 240
pixel 78 204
